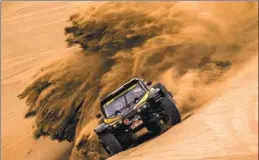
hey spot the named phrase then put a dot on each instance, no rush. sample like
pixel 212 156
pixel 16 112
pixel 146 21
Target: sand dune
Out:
pixel 32 35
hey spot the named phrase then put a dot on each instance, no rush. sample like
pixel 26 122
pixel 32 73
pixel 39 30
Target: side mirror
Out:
pixel 149 83
pixel 99 115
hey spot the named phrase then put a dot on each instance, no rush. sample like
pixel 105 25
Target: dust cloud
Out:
pixel 190 47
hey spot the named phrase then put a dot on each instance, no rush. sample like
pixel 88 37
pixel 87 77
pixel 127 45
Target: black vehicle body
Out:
pixel 140 105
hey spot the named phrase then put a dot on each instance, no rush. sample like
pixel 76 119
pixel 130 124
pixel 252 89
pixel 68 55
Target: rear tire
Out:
pixel 173 116
pixel 110 143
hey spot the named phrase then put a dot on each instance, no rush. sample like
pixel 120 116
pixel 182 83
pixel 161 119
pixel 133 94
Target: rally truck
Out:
pixel 131 107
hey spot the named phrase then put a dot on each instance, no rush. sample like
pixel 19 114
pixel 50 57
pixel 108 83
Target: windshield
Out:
pixel 123 103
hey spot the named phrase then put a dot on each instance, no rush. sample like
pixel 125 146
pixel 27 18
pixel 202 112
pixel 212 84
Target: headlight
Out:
pixel 120 122
pixel 115 125
pixel 138 110
pixel 144 106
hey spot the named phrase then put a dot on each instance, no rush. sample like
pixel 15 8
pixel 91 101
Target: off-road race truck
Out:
pixel 131 107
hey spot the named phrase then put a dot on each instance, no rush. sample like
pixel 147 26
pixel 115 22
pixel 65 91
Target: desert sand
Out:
pixel 33 36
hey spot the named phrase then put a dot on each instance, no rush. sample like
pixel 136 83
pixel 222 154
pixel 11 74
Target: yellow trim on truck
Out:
pixel 110 120
pixel 143 100
pixel 110 101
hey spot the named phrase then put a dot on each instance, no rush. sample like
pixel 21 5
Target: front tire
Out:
pixel 110 143
pixel 165 92
pixel 173 116
pixel 169 106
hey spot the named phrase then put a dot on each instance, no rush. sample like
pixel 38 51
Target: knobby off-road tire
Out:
pixel 169 106
pixel 163 90
pixel 156 127
pixel 110 143
pixel 173 116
